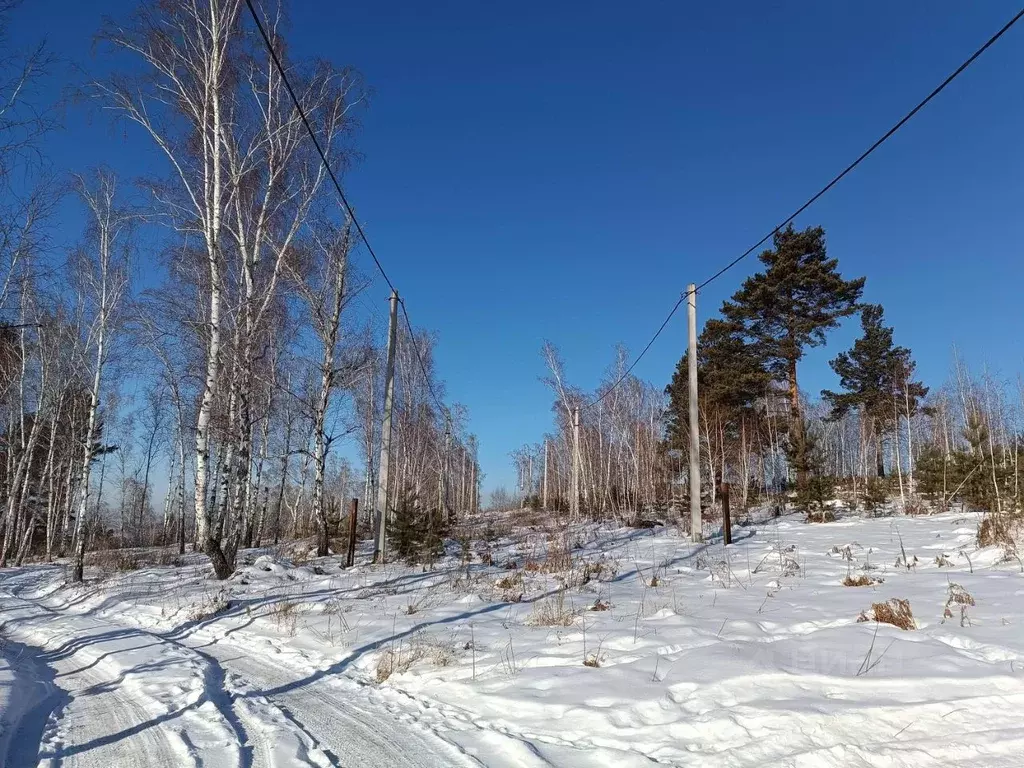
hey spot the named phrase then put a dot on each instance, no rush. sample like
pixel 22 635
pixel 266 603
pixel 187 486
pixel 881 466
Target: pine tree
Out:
pixel 871 374
pixel 790 307
pixel 730 377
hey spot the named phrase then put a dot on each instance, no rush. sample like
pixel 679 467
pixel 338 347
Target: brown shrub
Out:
pixel 860 581
pixel 895 611
pixel 993 531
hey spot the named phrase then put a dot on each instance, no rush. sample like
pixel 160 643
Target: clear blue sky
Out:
pixel 561 171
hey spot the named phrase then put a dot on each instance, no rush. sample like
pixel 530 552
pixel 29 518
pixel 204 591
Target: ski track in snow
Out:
pixel 89 708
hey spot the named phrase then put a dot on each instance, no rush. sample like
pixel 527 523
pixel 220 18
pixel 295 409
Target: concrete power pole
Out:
pixel 442 483
pixel 380 521
pixel 574 493
pixel 545 500
pixel 696 533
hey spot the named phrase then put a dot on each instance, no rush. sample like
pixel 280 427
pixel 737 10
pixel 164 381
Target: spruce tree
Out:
pixel 789 307
pixel 872 373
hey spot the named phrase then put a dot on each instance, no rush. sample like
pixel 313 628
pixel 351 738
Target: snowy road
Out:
pixel 83 691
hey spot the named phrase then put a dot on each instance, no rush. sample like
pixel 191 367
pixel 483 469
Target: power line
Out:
pixel 344 200
pixel 423 367
pixel 316 142
pixel 814 198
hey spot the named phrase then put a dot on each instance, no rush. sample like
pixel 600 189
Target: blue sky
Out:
pixel 562 171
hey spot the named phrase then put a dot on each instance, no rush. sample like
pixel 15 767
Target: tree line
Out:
pixel 206 328
pixel 882 434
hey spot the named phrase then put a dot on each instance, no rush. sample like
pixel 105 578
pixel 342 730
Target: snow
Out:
pixel 644 649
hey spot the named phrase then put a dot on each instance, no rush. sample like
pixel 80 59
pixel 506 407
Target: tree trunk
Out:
pixel 879 454
pixel 797 426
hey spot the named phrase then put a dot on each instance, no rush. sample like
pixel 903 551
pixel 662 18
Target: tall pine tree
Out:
pixel 872 373
pixel 788 308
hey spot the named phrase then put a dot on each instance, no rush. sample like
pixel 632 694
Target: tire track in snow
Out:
pixel 98 716
pixel 338 718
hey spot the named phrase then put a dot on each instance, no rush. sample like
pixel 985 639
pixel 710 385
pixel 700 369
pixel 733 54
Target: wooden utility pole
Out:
pixel 574 493
pixel 380 521
pixel 691 314
pixel 545 500
pixel 353 515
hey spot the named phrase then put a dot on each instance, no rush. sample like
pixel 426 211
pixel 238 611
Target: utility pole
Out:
pixel 574 493
pixel 380 522
pixel 691 314
pixel 462 483
pixel 442 501
pixel 545 503
pixel 474 488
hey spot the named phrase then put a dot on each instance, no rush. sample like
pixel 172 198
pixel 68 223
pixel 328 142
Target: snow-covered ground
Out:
pixel 642 649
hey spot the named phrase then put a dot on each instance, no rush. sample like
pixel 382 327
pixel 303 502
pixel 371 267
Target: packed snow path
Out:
pixel 84 691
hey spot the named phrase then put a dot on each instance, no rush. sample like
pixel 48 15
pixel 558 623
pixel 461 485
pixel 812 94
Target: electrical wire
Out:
pixel 341 195
pixel 430 387
pixel 816 196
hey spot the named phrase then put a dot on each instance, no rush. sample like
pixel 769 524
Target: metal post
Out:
pixel 353 516
pixel 574 493
pixel 380 521
pixel 696 533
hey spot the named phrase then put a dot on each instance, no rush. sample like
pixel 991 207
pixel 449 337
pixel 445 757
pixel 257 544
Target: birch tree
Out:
pixel 102 270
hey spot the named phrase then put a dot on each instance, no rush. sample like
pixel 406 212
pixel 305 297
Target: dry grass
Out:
pixel 943 561
pixel 995 530
pixel 863 580
pixel 208 609
pixel 396 660
pixel 895 611
pixel 510 589
pixel 285 615
pixel 915 507
pixel 553 612
pixel 112 560
pixel 959 598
